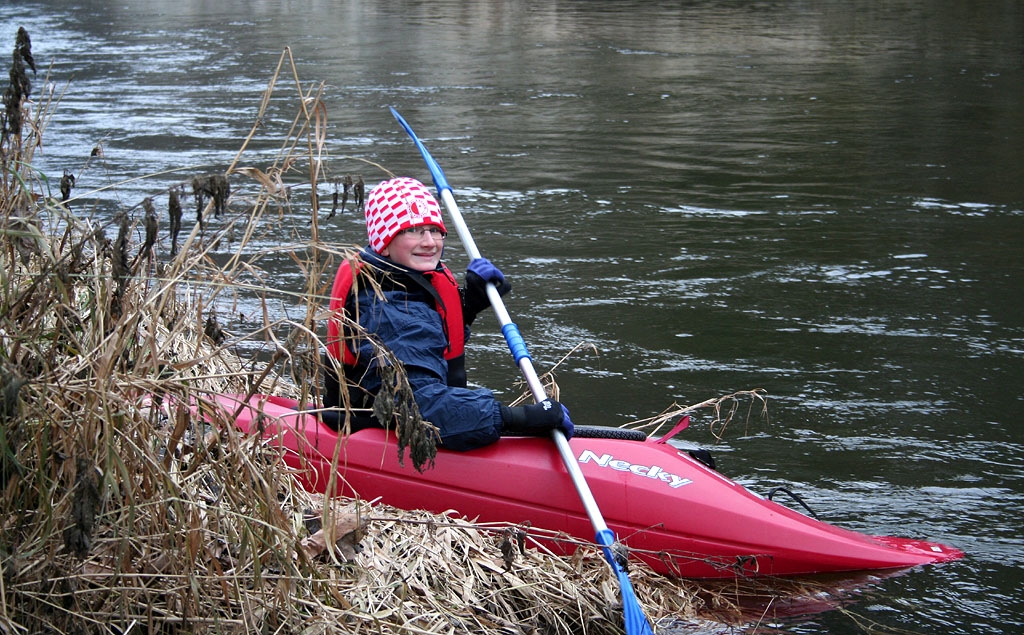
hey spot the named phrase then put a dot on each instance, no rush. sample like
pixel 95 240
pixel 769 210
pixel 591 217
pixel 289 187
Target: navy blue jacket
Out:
pixel 408 324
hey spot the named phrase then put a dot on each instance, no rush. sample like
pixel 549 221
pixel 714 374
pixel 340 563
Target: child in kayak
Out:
pixel 415 308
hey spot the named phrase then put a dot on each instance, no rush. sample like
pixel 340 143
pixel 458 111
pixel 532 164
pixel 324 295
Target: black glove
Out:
pixel 474 295
pixel 536 419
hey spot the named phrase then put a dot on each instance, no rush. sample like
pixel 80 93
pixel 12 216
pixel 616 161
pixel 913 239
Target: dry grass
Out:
pixel 122 517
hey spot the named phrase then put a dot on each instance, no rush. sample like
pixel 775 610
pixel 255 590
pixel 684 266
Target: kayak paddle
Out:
pixel 636 621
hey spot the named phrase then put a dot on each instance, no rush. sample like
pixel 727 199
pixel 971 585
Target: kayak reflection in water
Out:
pixel 403 296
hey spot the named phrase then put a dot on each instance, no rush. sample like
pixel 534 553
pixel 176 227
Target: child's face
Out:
pixel 418 248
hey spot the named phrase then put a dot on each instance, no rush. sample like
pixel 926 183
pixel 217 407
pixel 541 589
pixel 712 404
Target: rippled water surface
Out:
pixel 823 200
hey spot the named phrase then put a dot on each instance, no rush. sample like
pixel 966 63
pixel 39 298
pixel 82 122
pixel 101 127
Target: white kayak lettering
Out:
pixel 648 471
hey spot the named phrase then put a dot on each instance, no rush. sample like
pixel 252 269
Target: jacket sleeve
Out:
pixel 466 418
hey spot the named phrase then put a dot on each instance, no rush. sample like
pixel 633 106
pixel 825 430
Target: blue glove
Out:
pixel 474 299
pixel 536 419
pixel 567 427
pixel 486 270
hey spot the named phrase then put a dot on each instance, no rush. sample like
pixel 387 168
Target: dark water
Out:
pixel 823 200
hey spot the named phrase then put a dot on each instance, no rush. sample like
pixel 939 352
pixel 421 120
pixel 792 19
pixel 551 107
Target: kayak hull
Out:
pixel 680 517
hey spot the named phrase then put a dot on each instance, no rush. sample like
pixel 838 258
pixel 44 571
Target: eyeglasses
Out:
pixel 435 232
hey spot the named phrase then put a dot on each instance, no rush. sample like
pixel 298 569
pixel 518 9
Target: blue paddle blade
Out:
pixel 440 182
pixel 636 621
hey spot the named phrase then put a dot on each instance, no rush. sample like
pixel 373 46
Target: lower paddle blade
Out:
pixel 636 621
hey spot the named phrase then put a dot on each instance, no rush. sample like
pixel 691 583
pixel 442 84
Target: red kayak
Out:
pixel 676 514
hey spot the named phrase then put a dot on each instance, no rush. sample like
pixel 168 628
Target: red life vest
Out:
pixel 449 307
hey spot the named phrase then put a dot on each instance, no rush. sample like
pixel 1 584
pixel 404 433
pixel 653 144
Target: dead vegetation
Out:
pixel 123 512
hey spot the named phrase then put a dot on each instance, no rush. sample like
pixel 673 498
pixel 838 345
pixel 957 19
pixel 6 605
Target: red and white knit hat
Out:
pixel 399 204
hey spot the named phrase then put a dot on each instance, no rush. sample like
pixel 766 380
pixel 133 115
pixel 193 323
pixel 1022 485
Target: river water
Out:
pixel 821 199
